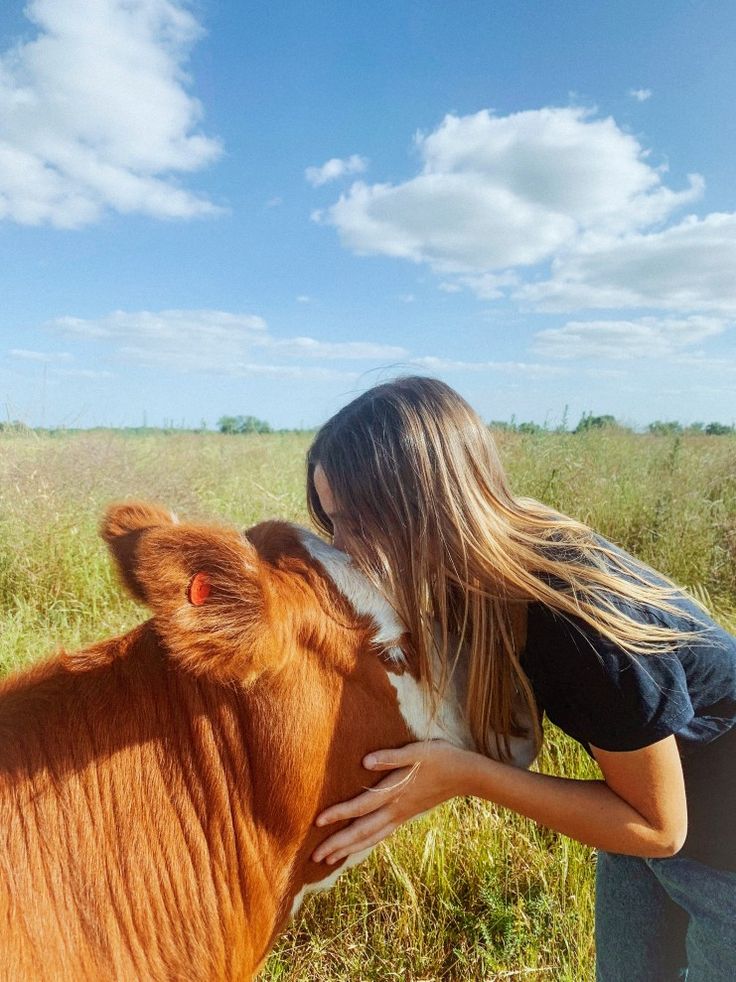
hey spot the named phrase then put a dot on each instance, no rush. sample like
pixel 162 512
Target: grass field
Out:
pixel 470 892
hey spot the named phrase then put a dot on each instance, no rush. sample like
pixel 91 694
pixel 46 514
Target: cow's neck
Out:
pixel 192 802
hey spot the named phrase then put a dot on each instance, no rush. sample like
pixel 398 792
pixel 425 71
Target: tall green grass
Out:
pixel 471 891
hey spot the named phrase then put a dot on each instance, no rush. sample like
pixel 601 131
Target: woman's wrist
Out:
pixel 470 774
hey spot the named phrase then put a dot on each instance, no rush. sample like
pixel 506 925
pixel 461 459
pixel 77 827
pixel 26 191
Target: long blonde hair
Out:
pixel 426 511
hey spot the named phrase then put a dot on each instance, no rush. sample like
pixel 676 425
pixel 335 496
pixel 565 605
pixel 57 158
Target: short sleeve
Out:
pixel 600 694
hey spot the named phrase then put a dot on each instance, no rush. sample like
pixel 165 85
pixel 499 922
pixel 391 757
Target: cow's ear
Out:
pixel 207 588
pixel 123 528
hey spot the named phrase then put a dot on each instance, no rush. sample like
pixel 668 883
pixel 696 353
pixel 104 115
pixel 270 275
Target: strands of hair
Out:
pixel 426 511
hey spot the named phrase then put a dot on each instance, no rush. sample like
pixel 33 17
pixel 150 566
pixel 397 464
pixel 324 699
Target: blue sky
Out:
pixel 226 207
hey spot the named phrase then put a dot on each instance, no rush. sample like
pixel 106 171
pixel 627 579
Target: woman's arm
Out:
pixel 639 808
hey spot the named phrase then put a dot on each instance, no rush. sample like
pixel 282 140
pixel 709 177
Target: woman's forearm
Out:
pixel 586 810
pixel 639 808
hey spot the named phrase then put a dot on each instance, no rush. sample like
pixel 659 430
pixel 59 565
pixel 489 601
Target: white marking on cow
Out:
pixel 523 749
pixel 330 880
pixel 358 589
pixel 448 722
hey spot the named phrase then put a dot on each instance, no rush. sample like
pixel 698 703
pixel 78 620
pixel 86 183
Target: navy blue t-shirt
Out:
pixel 600 695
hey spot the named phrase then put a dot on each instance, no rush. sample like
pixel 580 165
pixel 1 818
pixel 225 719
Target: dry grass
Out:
pixel 468 892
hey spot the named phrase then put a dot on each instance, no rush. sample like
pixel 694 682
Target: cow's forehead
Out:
pixel 357 589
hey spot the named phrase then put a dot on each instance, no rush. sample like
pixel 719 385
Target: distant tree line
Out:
pixel 589 422
pixel 252 424
pixel 243 424
pixel 672 426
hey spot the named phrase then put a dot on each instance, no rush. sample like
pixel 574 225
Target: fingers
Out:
pixel 406 756
pixel 354 808
pixel 386 760
pixel 359 835
pixel 402 794
pixel 369 801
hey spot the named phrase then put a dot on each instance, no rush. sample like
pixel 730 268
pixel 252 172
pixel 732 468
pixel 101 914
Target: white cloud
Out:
pixel 294 371
pixel 488 286
pixel 89 373
pixel 57 361
pixel 224 343
pixel 46 357
pixel 334 169
pixel 210 328
pixel 641 95
pixel 645 337
pixel 95 114
pixel 556 209
pixel 497 192
pixel 605 373
pixel 190 363
pixel 709 366
pixel 530 370
pixel 352 350
pixel 215 341
pixel 690 266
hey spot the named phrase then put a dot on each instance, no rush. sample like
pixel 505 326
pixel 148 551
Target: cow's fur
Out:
pixel 158 790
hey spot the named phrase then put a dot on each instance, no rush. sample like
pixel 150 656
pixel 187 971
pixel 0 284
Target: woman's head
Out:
pixel 400 463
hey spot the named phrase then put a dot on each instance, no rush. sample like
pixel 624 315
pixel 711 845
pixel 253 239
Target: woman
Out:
pixel 554 620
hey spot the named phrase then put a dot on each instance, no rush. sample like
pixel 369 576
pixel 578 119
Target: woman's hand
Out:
pixel 421 776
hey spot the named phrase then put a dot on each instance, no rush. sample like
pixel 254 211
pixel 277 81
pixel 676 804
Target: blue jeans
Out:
pixel 659 920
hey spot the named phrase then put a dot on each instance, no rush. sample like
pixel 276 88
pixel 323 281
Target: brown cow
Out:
pixel 158 790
